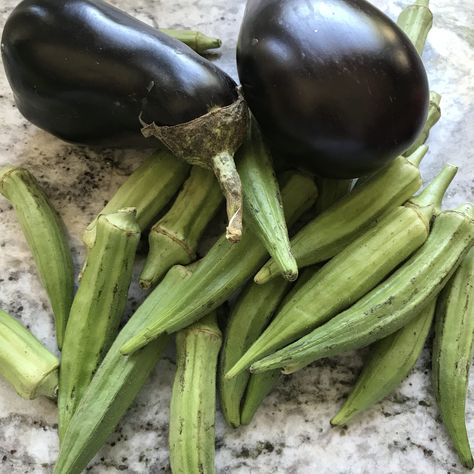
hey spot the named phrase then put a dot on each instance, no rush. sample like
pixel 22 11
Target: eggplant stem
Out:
pixel 224 168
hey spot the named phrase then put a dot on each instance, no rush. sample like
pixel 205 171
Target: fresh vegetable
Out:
pixel 434 114
pixel 222 271
pixel 174 238
pixel 392 304
pixel 331 231
pixel 258 388
pixel 196 40
pixel 389 361
pixel 148 189
pixel 193 399
pixel 262 203
pixel 97 308
pixel 24 362
pixel 46 236
pixel 248 319
pixel 352 273
pixel 261 385
pixel 324 78
pixel 114 386
pixel 89 73
pixel 85 71
pixel 452 355
pixel 416 21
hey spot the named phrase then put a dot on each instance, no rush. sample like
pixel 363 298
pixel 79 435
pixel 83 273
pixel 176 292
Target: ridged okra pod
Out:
pixel 148 189
pixel 331 231
pixel 97 307
pixel 46 236
pixel 434 114
pixel 248 319
pixel 115 385
pixel 174 238
pixel 194 39
pixel 416 21
pixel 24 362
pixel 262 204
pixel 392 304
pixel 224 269
pixel 452 355
pixel 388 363
pixel 352 273
pixel 193 398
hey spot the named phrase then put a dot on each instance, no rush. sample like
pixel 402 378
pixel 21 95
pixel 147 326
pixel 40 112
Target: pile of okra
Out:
pixel 380 265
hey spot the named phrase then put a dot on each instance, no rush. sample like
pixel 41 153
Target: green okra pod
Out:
pixel 46 236
pixel 330 191
pixel 148 189
pixel 175 237
pixel 224 269
pixel 247 320
pixel 352 273
pixel 335 228
pixel 416 21
pixel 97 307
pixel 24 362
pixel 258 388
pixel 193 398
pixel 434 114
pixel 262 203
pixel 452 355
pixel 114 387
pixel 389 362
pixel 392 304
pixel 261 385
pixel 194 39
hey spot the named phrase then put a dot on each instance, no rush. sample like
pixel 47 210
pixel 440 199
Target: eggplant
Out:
pixel 336 87
pixel 91 74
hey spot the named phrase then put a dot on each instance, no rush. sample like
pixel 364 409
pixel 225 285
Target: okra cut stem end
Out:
pixel 124 220
pixel 434 192
pixel 417 156
pixel 4 172
pixel 49 385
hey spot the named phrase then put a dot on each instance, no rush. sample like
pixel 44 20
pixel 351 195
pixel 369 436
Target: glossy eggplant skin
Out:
pixel 336 86
pixel 86 71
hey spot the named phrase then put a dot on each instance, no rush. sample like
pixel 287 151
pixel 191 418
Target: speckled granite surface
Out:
pixel 291 433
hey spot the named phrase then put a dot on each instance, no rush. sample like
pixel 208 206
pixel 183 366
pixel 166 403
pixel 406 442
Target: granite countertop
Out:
pixel 291 432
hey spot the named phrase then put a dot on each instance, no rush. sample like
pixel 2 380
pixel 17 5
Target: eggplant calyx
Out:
pixel 210 141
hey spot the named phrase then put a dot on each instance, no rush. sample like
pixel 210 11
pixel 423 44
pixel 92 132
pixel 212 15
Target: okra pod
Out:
pixel 262 203
pixel 452 355
pixel 46 236
pixel 352 273
pixel 434 114
pixel 330 191
pixel 174 238
pixel 97 307
pixel 24 362
pixel 416 21
pixel 224 269
pixel 194 39
pixel 392 304
pixel 148 189
pixel 389 361
pixel 338 226
pixel 193 398
pixel 114 387
pixel 247 320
